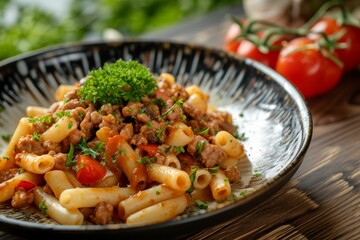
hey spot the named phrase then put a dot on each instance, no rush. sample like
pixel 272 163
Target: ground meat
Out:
pixel 233 174
pixel 132 109
pixel 127 131
pixel 159 158
pixel 71 94
pixel 109 109
pixel 175 114
pixel 139 139
pixel 78 114
pixel 86 125
pixel 53 108
pixel 75 136
pixel 190 110
pixel 177 91
pixel 103 213
pixel 41 127
pixel 72 104
pixel 60 160
pixel 6 175
pixel 28 144
pixel 187 160
pixel 22 198
pixel 210 155
pixel 152 110
pixel 151 131
pixel 95 117
pixel 220 121
pixel 111 122
pixel 51 146
pixel 143 117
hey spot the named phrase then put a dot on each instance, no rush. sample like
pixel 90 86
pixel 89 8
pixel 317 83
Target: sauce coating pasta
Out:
pixel 92 159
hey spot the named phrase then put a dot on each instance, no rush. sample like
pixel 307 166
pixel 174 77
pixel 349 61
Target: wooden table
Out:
pixel 322 200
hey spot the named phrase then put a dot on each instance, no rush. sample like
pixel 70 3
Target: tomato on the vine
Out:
pixel 230 43
pixel 303 63
pixel 350 55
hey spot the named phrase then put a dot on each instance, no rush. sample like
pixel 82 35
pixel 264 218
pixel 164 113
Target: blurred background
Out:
pixel 26 25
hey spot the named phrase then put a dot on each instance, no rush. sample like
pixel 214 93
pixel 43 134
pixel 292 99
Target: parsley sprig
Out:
pixel 92 152
pixel 118 82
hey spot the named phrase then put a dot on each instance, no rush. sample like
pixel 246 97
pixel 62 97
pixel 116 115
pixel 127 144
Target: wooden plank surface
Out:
pixel 322 200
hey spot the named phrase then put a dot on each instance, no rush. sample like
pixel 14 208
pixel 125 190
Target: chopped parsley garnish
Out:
pixel 204 131
pixel 257 174
pixel 243 193
pixel 118 82
pixel 226 179
pixel 61 114
pixel 42 119
pixel 6 137
pixel 144 160
pixel 214 169
pixel 157 192
pixel 70 124
pixel 160 102
pixel 43 207
pixel 240 136
pixel 241 114
pixel 92 152
pixel 200 147
pixel 160 131
pixel 192 178
pixel 201 204
pixel 177 103
pixel 6 157
pixel 36 136
pixel 69 162
pixel 177 149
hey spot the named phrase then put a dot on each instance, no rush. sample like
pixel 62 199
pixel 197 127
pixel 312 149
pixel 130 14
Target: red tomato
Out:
pixel 151 149
pixel 89 170
pixel 250 50
pixel 311 72
pixel 233 31
pixel 350 56
pixel 28 186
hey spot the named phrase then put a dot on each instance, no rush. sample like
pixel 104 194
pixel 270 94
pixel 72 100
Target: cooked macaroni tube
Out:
pixel 180 135
pixel 53 208
pixel 194 89
pixel 62 90
pixel 175 178
pixel 229 144
pixel 196 102
pixel 145 199
pixel 159 212
pixel 90 197
pixel 59 130
pixel 57 181
pixel 220 186
pixel 7 160
pixel 33 111
pixel 110 179
pixel 38 164
pixel 172 161
pixel 202 178
pixel 7 188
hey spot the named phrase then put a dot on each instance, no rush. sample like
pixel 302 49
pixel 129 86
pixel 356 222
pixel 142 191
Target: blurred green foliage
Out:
pixel 34 28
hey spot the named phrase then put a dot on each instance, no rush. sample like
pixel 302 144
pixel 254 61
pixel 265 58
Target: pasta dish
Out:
pixel 121 146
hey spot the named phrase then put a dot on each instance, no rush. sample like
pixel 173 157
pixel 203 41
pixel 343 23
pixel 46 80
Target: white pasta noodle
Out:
pixel 173 177
pixel 180 135
pixel 7 160
pixel 229 144
pixel 57 181
pixel 202 179
pixel 172 161
pixel 33 111
pixel 89 197
pixel 55 210
pixel 146 198
pixel 159 212
pixel 62 90
pixel 220 186
pixel 35 163
pixel 60 130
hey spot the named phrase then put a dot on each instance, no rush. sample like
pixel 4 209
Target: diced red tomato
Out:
pixel 28 186
pixel 89 170
pixel 151 148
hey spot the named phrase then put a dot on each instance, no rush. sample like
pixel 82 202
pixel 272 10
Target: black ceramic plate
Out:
pixel 266 107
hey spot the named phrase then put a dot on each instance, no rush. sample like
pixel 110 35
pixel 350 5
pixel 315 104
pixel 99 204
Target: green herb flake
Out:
pixel 6 137
pixel 201 204
pixel 226 179
pixel 69 162
pixel 257 174
pixel 144 160
pixel 177 149
pixel 157 192
pixel 178 103
pixel 118 82
pixel 70 124
pixel 240 136
pixel 243 193
pixel 6 157
pixel 160 102
pixel 204 131
pixel 83 147
pixel 36 136
pixel 43 207
pixel 214 169
pixel 200 147
pixel 192 178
